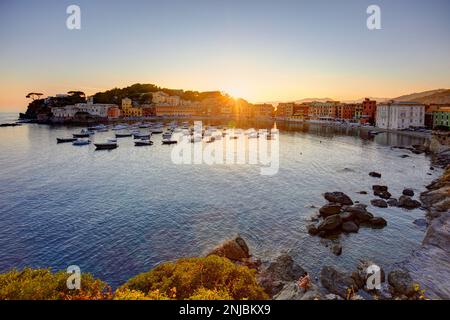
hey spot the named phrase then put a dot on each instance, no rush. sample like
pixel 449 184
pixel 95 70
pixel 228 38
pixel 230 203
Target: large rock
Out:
pixel 408 203
pixel 312 229
pixel 338 197
pixel 330 223
pixel 401 283
pixel 336 282
pixel 347 216
pixel 363 216
pixel 278 273
pixel 330 209
pixel 292 292
pixel 375 174
pixel 357 208
pixel 380 203
pixel 381 191
pixel 235 250
pixel 408 192
pixel 392 202
pixel 379 188
pixel 350 226
pixel 377 222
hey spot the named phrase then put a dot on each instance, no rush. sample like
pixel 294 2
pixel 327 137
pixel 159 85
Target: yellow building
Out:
pixel 128 110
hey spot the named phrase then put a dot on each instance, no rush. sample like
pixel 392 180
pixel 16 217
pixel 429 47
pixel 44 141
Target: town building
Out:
pixel 400 115
pixel 301 112
pixel 369 110
pixel 263 110
pixel 128 110
pixel 345 111
pixel 113 112
pixel 162 98
pixel 178 111
pixel 100 110
pixel 441 116
pixel 285 110
pixel 323 110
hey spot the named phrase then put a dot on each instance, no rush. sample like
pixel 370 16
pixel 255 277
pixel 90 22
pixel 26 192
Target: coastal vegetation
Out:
pixel 209 278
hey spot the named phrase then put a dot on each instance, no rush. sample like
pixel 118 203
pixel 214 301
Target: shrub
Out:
pixel 42 284
pixel 212 277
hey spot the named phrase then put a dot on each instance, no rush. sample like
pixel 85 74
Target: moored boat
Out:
pixel 81 142
pixel 106 146
pixel 123 134
pixel 65 140
pixel 142 143
pixel 169 141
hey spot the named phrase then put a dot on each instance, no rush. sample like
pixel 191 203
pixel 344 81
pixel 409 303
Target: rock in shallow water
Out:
pixel 338 197
pixel 349 227
pixel 235 250
pixel 330 223
pixel 278 273
pixel 401 282
pixel 336 282
pixel 408 192
pixel 330 209
pixel 408 203
pixel 380 203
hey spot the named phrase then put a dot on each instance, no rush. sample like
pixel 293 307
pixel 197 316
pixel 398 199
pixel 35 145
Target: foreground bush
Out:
pixel 209 278
pixel 42 284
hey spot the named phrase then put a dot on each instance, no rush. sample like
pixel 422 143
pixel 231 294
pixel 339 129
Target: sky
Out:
pixel 259 50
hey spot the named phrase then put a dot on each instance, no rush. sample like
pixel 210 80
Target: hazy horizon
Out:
pixel 258 50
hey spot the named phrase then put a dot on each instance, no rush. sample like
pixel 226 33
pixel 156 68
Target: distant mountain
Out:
pixel 431 96
pixel 313 99
pixel 377 99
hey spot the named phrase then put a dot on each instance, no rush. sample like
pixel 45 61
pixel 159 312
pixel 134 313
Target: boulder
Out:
pixel 380 203
pixel 278 273
pixel 379 188
pixel 357 208
pixel 312 230
pixel 330 209
pixel 235 250
pixel 362 192
pixel 291 291
pixel 408 192
pixel 363 216
pixel 401 283
pixel 338 197
pixel 408 203
pixel 347 216
pixel 330 223
pixel 349 227
pixel 375 174
pixel 377 222
pixel 364 270
pixel 381 191
pixel 336 282
pixel 392 202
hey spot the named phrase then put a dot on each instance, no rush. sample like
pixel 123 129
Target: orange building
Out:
pixel 262 110
pixel 113 112
pixel 178 111
pixel 301 112
pixel 345 111
pixel 285 110
pixel 369 111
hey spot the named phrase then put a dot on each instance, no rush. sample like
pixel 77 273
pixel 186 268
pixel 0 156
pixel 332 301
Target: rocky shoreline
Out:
pixel 424 275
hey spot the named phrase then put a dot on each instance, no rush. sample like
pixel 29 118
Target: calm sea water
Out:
pixel 118 213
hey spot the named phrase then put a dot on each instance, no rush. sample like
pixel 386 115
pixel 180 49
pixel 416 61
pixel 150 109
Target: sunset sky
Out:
pixel 258 50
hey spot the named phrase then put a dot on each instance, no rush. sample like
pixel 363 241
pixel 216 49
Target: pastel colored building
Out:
pixel 400 115
pixel 441 117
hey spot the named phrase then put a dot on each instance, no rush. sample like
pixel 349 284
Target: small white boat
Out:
pixel 106 146
pixel 83 134
pixel 81 142
pixel 169 141
pixel 142 143
pixel 167 135
pixel 120 127
pixel 112 140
